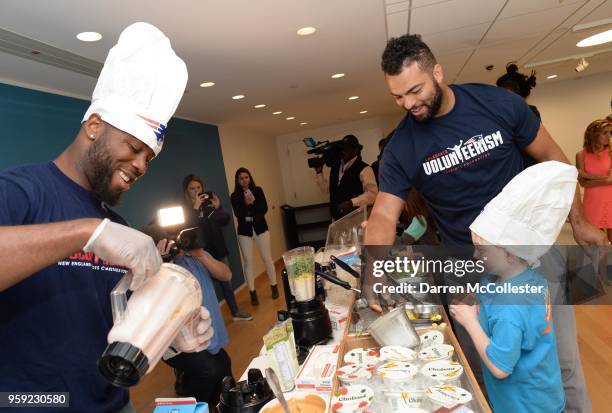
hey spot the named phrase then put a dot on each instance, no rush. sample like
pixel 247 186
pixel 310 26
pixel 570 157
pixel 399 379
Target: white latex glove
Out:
pixel 126 247
pixel 198 336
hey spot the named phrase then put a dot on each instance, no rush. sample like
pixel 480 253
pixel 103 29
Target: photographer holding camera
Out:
pixel 204 210
pixel 351 182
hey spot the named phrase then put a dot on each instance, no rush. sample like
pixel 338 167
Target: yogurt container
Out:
pixel 436 352
pixel 362 356
pixel 396 374
pixel 442 370
pixel 397 353
pixel 448 396
pixel 431 337
pixel 354 374
pixel 401 401
pixel 353 399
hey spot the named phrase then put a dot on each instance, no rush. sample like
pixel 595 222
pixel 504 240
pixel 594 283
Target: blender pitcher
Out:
pixel 166 305
pixel 299 263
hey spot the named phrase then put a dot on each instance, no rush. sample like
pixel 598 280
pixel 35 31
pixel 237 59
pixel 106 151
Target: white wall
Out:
pixel 258 154
pixel 299 181
pixel 567 108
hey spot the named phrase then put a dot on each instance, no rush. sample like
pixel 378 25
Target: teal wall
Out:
pixel 37 126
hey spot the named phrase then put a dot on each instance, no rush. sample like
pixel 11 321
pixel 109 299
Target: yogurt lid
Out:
pixel 448 396
pixel 362 356
pixel 353 372
pixel 404 399
pixel 432 337
pixel 397 353
pixel 442 370
pixel 411 410
pixel 352 399
pixel 397 370
pixel 436 352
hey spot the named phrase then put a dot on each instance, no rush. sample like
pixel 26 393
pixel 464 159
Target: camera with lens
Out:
pixel 208 197
pixel 187 240
pixel 328 153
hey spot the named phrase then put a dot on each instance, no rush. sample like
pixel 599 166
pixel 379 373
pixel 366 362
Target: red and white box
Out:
pixel 318 370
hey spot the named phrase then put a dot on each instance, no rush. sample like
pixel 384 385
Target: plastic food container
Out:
pixel 442 370
pixel 436 352
pixel 304 401
pixel 431 337
pixel 394 329
pixel 350 374
pixel 448 396
pixel 353 399
pixel 397 353
pixel 396 374
pixel 403 401
pixel 362 356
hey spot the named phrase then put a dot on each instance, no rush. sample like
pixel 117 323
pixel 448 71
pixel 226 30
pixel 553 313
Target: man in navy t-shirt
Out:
pixel 62 249
pixel 458 145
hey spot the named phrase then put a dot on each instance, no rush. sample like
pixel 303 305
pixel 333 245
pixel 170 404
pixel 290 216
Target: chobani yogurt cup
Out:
pixel 400 401
pixel 436 352
pixel 397 353
pixel 354 374
pixel 396 373
pixel 431 337
pixel 369 357
pixel 448 396
pixel 353 399
pixel 442 370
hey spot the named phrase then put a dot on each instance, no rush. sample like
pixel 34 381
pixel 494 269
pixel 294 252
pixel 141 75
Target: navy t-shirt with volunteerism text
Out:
pixel 463 159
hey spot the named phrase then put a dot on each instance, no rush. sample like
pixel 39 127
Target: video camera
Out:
pixel 187 240
pixel 329 152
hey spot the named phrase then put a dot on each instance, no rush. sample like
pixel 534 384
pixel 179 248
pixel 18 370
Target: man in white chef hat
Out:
pixel 512 328
pixel 62 249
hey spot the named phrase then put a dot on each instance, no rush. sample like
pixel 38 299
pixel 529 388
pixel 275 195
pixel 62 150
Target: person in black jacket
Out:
pixel 204 209
pixel 250 207
pixel 351 181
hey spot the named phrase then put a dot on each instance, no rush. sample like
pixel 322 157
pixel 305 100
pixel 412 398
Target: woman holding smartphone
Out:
pixel 250 207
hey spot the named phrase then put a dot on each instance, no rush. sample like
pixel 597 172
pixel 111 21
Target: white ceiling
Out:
pixel 251 48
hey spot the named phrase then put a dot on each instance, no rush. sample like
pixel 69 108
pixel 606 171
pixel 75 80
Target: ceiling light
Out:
pixel 551 77
pixel 303 123
pixel 363 111
pixel 277 113
pixel 290 118
pixel 238 97
pixel 207 84
pixel 89 36
pixel 259 106
pixel 599 38
pixel 582 65
pixel 353 98
pixel 337 75
pixel 305 31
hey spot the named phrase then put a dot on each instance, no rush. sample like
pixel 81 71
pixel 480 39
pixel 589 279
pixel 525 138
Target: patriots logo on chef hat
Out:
pixel 159 129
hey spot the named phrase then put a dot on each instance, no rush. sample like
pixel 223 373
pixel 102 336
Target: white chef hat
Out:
pixel 527 215
pixel 141 85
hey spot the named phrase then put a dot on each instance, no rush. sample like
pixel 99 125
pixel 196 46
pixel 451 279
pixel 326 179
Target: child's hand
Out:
pixel 464 314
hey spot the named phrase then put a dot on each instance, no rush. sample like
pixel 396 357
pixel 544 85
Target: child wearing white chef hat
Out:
pixel 511 328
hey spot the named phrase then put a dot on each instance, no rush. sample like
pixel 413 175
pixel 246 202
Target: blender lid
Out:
pixel 123 364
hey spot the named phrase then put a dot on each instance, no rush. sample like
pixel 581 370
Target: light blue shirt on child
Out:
pixel 523 345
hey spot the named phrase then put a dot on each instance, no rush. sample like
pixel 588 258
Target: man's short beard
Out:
pixel 434 106
pixel 97 165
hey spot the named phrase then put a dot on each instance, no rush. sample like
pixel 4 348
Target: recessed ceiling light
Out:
pixel 305 31
pixel 207 84
pixel 238 97
pixel 290 118
pixel 599 38
pixel 337 75
pixel 363 111
pixel 259 106
pixel 353 98
pixel 303 123
pixel 89 36
pixel 277 113
pixel 551 77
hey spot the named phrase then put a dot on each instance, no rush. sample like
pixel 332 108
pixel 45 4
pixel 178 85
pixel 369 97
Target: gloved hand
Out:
pixel 198 335
pixel 127 247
